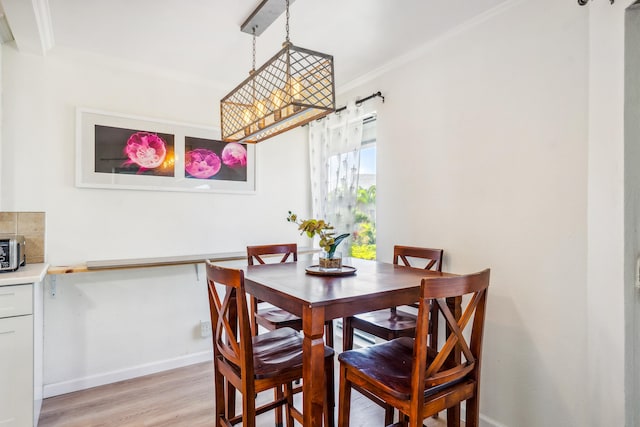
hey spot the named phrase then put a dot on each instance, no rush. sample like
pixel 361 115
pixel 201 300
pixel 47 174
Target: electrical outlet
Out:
pixel 205 328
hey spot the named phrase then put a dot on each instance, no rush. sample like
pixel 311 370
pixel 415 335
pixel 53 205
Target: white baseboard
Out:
pixel 69 386
pixel 489 422
pixel 484 420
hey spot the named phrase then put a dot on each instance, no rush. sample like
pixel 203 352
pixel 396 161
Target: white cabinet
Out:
pixel 21 346
pixel 16 368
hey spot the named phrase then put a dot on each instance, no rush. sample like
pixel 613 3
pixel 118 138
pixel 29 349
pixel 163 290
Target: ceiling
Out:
pixel 202 38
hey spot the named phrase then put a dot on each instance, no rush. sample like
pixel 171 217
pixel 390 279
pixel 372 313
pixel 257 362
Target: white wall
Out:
pixel 632 210
pixel 606 286
pixel 482 150
pixel 1 140
pixel 101 325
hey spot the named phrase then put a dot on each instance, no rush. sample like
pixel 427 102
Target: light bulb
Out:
pixel 277 98
pixel 296 90
pixel 246 116
pixel 261 109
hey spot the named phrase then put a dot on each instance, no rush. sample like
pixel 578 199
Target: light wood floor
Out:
pixel 180 397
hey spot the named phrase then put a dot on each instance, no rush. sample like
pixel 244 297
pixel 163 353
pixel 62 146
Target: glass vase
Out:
pixel 330 262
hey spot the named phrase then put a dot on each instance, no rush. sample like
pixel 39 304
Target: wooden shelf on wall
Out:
pixel 121 264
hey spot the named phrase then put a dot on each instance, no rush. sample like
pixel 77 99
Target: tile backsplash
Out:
pixel 32 226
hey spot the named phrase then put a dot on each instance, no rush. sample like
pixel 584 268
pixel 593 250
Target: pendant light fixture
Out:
pixel 291 89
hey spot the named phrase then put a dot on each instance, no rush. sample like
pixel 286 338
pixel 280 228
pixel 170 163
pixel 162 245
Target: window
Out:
pixel 364 236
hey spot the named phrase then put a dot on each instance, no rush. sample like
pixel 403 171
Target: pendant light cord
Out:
pixel 287 24
pixel 253 63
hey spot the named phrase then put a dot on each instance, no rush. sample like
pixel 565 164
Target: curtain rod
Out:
pixel 360 101
pixel 583 2
pixel 378 94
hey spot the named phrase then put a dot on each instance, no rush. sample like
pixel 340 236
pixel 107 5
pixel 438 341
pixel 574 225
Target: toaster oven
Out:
pixel 12 255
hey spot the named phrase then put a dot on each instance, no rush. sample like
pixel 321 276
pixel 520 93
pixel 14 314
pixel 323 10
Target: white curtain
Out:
pixel 334 148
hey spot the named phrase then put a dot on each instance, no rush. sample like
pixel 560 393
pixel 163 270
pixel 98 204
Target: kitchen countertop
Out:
pixel 30 273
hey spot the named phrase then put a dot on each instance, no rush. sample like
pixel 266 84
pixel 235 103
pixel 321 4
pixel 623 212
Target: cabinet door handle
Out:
pixel 7 332
pixel 10 294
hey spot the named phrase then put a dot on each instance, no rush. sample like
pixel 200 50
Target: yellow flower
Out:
pixel 322 229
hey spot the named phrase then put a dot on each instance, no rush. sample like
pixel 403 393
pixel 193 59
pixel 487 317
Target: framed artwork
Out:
pixel 116 151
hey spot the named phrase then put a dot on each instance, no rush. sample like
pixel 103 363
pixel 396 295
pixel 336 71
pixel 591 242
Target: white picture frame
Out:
pixel 101 161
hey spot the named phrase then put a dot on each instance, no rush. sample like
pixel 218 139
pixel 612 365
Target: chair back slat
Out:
pixel 433 259
pixel 232 341
pixel 456 337
pixel 257 253
pixel 223 331
pixel 448 366
pixel 405 253
pixel 449 375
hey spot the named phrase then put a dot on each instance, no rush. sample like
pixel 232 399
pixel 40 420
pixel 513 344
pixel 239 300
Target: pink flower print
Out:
pixel 202 163
pixel 234 155
pixel 146 150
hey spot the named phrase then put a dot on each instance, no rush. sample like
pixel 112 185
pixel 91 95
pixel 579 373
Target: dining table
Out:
pixel 316 297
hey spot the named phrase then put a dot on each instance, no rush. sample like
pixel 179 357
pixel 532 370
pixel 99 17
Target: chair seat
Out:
pixel 278 351
pixel 272 317
pixel 400 321
pixel 389 365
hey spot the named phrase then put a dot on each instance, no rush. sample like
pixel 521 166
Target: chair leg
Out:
pixel 249 409
pixel 433 342
pixel 388 415
pixel 453 416
pixel 433 334
pixel 347 334
pixel 220 398
pixel 289 398
pixel 231 400
pixel 331 395
pixel 328 415
pixel 277 395
pixel 253 310
pixel 404 420
pixel 328 333
pixel 344 396
pixel 473 412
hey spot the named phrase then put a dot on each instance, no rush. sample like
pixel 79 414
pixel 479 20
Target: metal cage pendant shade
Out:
pixel 294 87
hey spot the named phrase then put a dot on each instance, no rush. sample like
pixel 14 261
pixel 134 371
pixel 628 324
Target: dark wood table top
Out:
pixel 375 285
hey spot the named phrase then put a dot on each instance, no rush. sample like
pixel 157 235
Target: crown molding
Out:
pixel 30 23
pixel 43 21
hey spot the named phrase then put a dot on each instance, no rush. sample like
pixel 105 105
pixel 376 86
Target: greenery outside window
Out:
pixel 364 236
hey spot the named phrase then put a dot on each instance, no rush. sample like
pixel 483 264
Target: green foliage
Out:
pixel 366 234
pixel 361 217
pixel 364 238
pixel 367 196
pixel 363 251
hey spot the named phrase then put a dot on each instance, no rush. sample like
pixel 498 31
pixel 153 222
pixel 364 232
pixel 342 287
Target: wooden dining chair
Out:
pixel 394 323
pixel 412 376
pixel 266 315
pixel 252 364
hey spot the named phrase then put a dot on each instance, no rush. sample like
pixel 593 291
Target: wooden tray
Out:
pixel 345 270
